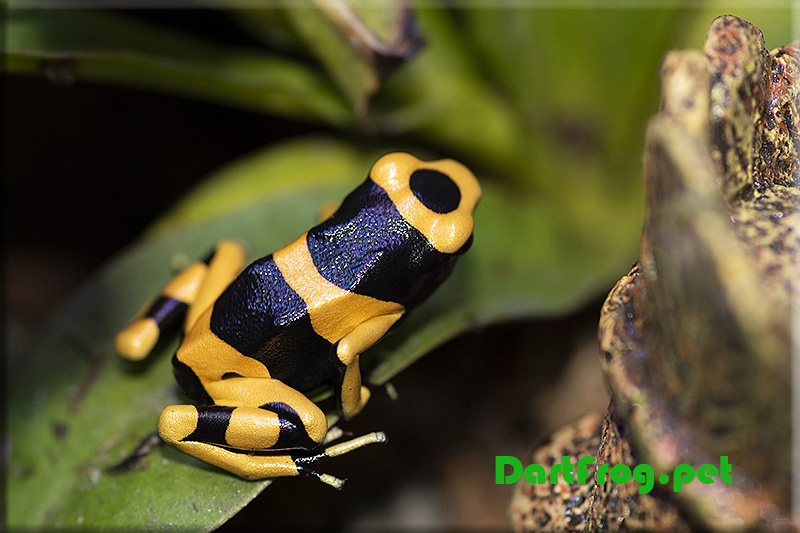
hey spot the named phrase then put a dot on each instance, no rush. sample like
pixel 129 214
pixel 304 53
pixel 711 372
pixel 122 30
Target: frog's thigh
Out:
pixel 298 414
pixel 351 395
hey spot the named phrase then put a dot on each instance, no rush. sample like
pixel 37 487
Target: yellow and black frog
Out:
pixel 257 340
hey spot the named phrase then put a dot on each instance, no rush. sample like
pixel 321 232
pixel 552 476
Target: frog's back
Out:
pixel 262 317
pixel 368 248
pixel 288 310
pixel 363 249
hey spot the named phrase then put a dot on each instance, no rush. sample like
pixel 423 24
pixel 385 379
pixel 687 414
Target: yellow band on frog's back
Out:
pixel 324 300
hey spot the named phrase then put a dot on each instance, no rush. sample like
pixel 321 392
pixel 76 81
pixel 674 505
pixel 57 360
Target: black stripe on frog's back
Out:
pixel 368 248
pixel 256 307
pixel 262 317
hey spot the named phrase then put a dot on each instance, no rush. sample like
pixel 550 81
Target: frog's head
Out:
pixel 435 197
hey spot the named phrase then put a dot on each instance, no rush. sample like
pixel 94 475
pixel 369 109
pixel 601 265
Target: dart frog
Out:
pixel 257 340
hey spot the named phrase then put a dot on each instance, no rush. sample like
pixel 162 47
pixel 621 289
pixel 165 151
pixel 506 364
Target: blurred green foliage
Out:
pixel 546 105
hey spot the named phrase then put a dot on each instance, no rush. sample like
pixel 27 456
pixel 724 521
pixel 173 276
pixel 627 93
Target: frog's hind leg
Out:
pixel 224 264
pixel 278 438
pixel 181 300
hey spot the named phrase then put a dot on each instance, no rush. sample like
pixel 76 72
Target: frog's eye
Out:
pixel 435 190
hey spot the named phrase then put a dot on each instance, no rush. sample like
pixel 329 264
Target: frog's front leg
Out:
pixel 350 394
pixel 255 415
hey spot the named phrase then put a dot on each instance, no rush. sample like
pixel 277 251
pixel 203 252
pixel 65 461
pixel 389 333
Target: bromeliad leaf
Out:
pixel 117 49
pixel 80 412
pixel 358 47
pixel 294 166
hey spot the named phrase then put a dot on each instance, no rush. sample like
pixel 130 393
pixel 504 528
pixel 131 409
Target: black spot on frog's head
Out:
pixel 435 190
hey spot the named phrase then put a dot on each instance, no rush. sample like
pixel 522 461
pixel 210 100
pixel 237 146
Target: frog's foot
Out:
pixel 335 450
pixel 334 433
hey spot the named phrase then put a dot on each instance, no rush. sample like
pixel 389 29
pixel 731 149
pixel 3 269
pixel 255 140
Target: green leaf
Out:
pixel 75 410
pixel 73 381
pixel 105 46
pixel 443 99
pixel 292 166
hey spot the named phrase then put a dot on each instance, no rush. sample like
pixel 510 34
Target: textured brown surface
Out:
pixel 695 339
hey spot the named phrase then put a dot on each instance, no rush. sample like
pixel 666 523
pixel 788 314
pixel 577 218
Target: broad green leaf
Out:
pixel 106 46
pixel 292 166
pixel 575 59
pixel 74 410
